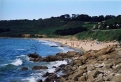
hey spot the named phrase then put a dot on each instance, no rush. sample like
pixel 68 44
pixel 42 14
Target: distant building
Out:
pixel 117 25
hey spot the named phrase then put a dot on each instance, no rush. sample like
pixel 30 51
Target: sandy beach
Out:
pixel 85 45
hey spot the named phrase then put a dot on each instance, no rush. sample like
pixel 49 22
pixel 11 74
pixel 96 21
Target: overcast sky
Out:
pixel 35 9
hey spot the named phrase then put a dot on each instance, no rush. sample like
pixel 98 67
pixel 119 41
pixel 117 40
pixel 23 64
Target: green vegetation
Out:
pixel 101 35
pixel 80 26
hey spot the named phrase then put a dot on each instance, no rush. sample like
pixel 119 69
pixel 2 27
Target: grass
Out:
pixel 101 35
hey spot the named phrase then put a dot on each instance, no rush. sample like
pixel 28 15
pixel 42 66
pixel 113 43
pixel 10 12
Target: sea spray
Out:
pixel 17 62
pixel 29 79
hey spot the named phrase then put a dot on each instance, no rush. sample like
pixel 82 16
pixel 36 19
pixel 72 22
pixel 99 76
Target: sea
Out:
pixel 13 56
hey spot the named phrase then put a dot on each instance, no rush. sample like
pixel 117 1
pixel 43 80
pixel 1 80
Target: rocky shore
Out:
pixel 102 65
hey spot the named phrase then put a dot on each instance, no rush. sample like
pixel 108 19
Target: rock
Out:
pixel 59 58
pixel 110 49
pixel 48 80
pixel 90 68
pixel 97 73
pixel 82 78
pixel 117 69
pixel 40 80
pixel 73 54
pixel 46 74
pixel 91 61
pixel 99 78
pixel 77 62
pixel 108 77
pixel 62 45
pixel 109 66
pixel 90 77
pixel 51 77
pixel 105 51
pixel 34 55
pixel 62 79
pixel 54 46
pixel 54 67
pixel 39 67
pixel 62 65
pixel 83 67
pixel 50 58
pixel 74 68
pixel 24 68
pixel 104 57
pixel 117 78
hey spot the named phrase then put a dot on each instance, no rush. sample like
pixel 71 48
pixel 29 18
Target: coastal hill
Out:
pixel 82 26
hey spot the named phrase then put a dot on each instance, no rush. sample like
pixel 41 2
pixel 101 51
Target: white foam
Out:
pixel 65 50
pixel 61 48
pixel 20 49
pixel 51 70
pixel 49 43
pixel 56 63
pixel 43 41
pixel 20 56
pixel 30 79
pixel 17 62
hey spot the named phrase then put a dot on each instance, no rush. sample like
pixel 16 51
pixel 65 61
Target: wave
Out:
pixel 61 48
pixel 50 43
pixel 43 41
pixel 20 56
pixel 64 49
pixel 30 79
pixel 56 64
pixel 17 62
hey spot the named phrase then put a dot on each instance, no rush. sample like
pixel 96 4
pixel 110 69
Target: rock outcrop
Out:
pixel 93 66
pixel 59 56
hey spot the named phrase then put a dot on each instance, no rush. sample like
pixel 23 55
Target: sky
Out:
pixel 36 9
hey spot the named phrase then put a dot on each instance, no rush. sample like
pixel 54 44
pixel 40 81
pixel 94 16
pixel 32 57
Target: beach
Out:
pixel 101 62
pixel 84 45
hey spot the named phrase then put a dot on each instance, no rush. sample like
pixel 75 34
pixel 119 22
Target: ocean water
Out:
pixel 13 56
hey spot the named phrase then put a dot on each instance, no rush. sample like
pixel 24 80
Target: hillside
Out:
pixel 81 26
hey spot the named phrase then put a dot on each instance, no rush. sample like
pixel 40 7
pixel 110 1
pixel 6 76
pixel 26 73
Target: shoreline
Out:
pixel 100 62
pixel 84 45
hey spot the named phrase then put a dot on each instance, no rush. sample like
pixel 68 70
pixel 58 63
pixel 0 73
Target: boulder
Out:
pixel 117 78
pixel 99 78
pixel 39 67
pixel 34 55
pixel 82 78
pixel 50 58
pixel 40 80
pixel 62 79
pixel 74 54
pixel 77 62
pixel 24 68
pixel 46 74
pixel 51 77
